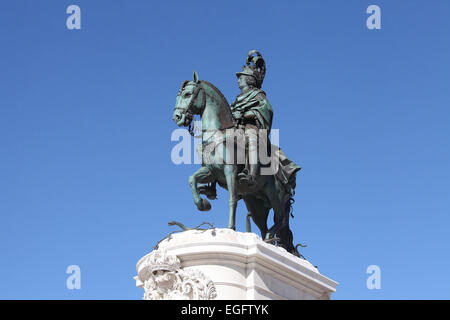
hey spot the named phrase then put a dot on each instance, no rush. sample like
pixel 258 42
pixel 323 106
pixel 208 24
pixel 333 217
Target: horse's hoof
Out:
pixel 272 240
pixel 204 205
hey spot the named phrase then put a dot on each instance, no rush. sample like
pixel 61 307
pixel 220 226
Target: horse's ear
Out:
pixel 195 77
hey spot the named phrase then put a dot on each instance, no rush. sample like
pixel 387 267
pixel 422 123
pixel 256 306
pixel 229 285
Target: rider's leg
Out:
pixel 253 166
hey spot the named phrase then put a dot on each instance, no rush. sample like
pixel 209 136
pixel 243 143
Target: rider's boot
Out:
pixel 249 178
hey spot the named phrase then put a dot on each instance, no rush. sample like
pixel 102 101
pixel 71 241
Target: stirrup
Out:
pixel 248 179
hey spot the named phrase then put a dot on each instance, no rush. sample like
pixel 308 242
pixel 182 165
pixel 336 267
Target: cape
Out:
pixel 255 100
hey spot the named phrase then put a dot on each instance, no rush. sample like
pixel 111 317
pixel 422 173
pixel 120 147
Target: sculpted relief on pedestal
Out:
pixel 162 278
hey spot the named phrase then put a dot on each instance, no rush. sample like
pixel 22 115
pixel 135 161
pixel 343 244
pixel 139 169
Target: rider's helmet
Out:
pixel 255 67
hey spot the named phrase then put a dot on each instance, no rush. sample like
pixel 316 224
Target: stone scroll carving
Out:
pixel 162 278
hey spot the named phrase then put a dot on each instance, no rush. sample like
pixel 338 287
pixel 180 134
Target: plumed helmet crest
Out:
pixel 255 66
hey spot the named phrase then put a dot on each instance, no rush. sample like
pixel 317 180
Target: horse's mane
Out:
pixel 219 93
pixel 216 90
pixel 226 107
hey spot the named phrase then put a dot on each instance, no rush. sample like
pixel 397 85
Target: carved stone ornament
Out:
pixel 164 279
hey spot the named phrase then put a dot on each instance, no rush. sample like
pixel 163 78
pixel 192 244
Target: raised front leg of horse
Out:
pixel 230 172
pixel 202 175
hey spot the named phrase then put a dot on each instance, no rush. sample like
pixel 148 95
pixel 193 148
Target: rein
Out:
pixel 188 110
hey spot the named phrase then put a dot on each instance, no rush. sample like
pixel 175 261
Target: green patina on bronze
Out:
pixel 254 101
pixel 250 113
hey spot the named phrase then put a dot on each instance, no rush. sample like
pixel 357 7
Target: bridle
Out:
pixel 188 111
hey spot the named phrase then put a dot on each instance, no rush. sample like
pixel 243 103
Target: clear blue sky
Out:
pixel 85 122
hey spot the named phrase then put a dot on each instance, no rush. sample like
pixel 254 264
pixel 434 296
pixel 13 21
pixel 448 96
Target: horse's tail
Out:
pixel 285 233
pixel 291 208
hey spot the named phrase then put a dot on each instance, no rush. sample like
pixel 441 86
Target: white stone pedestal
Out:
pixel 225 264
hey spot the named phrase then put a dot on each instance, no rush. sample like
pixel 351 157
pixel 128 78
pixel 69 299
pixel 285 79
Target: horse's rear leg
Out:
pixel 259 213
pixel 286 239
pixel 281 209
pixel 280 216
pixel 202 175
pixel 230 172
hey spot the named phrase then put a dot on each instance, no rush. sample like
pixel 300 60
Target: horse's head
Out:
pixel 191 99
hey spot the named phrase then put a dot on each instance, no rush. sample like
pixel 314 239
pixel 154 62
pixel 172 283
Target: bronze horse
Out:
pixel 202 98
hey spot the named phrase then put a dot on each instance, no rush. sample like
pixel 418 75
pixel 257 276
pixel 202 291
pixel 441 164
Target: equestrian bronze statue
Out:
pixel 236 152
